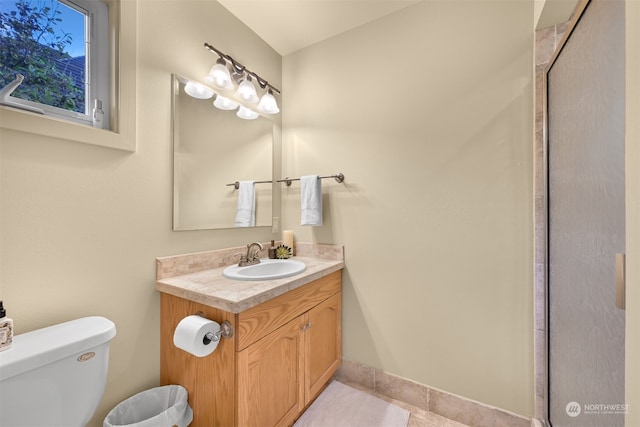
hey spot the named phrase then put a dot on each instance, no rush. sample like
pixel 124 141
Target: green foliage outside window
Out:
pixel 32 44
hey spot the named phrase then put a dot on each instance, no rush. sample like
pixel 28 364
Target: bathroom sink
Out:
pixel 267 269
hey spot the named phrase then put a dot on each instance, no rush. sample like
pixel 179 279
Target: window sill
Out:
pixel 125 13
pixel 24 121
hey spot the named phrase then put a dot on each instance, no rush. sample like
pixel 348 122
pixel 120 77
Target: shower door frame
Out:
pixel 541 225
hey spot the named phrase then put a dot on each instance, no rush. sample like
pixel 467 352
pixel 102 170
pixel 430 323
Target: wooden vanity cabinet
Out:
pixel 323 345
pixel 270 378
pixel 283 353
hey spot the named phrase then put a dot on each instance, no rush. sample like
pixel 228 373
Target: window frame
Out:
pixel 96 85
pixel 122 104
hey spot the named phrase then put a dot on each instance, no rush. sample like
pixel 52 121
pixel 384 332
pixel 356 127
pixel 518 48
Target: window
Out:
pixel 61 48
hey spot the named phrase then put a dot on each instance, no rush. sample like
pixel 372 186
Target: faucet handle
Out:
pixel 243 260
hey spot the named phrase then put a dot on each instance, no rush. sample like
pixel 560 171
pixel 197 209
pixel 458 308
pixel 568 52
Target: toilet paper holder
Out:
pixel 226 331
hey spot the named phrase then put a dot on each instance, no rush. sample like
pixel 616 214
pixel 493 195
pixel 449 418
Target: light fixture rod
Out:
pixel 238 66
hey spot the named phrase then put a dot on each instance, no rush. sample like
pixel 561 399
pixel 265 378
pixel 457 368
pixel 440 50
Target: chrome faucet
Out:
pixel 252 257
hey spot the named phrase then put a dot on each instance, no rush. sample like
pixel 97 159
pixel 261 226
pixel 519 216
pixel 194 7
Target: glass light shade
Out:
pixel 268 104
pixel 219 76
pixel 246 113
pixel 225 103
pixel 247 91
pixel 198 90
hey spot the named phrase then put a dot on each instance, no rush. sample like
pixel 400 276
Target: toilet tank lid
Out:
pixel 47 345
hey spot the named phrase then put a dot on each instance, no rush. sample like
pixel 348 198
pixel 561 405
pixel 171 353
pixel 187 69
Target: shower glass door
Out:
pixel 585 110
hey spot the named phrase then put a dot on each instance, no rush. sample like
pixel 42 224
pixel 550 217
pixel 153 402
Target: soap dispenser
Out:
pixel 6 329
pixel 98 114
pixel 272 251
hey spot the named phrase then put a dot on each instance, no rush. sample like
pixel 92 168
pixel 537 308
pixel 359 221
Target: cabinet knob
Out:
pixel 306 326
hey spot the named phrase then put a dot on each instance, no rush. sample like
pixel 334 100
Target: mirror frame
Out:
pixel 176 81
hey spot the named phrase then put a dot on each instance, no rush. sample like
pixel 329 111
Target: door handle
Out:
pixel 620 281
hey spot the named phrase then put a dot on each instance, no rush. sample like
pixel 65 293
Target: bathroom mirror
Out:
pixel 213 148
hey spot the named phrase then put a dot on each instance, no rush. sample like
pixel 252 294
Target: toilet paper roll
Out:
pixel 191 335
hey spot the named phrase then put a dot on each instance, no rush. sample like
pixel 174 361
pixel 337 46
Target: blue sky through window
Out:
pixel 73 22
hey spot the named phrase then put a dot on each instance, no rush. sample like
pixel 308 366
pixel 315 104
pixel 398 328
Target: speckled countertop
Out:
pixel 198 277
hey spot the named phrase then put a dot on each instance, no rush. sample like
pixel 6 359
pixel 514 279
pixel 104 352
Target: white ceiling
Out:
pixel 290 25
pixel 555 12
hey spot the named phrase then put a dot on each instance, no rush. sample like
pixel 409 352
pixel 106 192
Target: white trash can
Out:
pixel 165 406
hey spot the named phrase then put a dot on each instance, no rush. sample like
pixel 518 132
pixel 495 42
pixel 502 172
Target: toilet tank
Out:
pixel 55 376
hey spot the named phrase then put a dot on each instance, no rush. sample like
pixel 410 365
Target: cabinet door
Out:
pixel 270 378
pixel 323 344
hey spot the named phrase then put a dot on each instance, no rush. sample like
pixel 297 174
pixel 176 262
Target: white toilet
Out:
pixel 55 376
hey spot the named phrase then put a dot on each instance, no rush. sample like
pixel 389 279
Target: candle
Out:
pixel 287 238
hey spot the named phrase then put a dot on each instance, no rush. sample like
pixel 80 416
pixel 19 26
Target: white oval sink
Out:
pixel 268 269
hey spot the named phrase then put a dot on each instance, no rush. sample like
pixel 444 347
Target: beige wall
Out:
pixel 428 113
pixel 81 225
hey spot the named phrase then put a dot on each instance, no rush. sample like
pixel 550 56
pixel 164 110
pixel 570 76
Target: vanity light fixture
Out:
pixel 198 90
pixel 225 103
pixel 268 104
pixel 246 113
pixel 247 91
pixel 221 78
pixel 219 75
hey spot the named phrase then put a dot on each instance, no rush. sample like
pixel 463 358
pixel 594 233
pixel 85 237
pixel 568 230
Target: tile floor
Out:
pixel 418 418
pixel 430 407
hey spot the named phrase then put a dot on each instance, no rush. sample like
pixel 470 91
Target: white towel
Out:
pixel 246 215
pixel 311 200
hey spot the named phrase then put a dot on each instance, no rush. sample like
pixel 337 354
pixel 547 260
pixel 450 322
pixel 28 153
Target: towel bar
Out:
pixel 236 184
pixel 339 177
